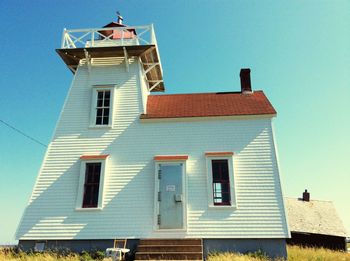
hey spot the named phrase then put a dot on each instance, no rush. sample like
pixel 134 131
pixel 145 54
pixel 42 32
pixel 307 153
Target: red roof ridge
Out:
pixel 195 93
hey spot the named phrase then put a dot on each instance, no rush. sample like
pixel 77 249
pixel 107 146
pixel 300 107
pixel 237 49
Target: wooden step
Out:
pixel 193 242
pixel 169 248
pixel 168 256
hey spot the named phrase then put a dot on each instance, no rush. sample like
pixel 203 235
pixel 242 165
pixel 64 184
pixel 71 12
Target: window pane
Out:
pixel 216 170
pixel 89 170
pixel 106 103
pixel 97 168
pixel 105 120
pixel 220 170
pixel 217 200
pixel 99 112
pixel 100 95
pixel 107 94
pixel 224 170
pixel 87 196
pixel 95 190
pixel 99 103
pixel 226 198
pixel 225 187
pixel 217 188
pixel 106 112
pixel 98 120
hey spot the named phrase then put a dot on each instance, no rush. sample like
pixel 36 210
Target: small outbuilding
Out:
pixel 315 223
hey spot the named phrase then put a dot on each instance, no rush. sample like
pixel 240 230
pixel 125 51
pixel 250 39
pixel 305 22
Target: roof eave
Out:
pixel 145 118
pixel 324 233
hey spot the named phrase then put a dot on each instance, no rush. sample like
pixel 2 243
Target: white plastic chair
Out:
pixel 118 251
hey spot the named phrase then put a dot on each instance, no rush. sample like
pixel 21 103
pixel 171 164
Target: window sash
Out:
pixel 91 185
pixel 221 182
pixel 103 105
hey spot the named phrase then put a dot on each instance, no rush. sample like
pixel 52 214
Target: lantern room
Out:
pixel 82 47
pixel 117 34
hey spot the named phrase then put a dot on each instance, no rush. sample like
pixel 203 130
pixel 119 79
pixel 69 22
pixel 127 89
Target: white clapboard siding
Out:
pixel 128 206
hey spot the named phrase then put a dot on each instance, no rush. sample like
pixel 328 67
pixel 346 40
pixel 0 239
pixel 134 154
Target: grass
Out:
pixel 12 254
pixel 294 254
pixel 315 254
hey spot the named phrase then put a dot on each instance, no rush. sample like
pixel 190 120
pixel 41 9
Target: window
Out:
pixel 220 179
pixel 221 182
pixel 91 182
pixel 102 106
pixel 91 185
pixel 39 246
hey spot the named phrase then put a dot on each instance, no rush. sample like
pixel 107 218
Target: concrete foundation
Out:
pixel 272 247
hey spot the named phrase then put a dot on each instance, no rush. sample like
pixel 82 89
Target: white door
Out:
pixel 171 196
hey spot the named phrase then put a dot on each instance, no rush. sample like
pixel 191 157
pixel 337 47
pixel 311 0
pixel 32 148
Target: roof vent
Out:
pixel 306 195
pixel 246 86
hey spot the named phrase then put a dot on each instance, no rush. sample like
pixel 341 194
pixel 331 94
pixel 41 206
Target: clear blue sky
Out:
pixel 299 53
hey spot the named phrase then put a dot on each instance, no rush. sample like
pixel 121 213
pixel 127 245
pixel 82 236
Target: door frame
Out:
pixel 156 190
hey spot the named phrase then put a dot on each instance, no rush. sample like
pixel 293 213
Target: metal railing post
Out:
pixel 153 37
pixel 92 38
pixel 63 38
pixel 122 37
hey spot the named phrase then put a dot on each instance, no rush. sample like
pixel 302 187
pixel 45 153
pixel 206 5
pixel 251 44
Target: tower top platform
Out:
pixel 114 41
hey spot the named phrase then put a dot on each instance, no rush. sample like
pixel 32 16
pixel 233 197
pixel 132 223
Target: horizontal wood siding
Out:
pixel 129 181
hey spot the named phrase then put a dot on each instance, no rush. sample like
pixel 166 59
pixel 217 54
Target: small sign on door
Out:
pixel 170 188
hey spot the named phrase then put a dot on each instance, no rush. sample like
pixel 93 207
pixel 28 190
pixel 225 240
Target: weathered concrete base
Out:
pixel 76 245
pixel 272 247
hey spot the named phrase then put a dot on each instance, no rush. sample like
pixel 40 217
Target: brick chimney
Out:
pixel 306 195
pixel 246 86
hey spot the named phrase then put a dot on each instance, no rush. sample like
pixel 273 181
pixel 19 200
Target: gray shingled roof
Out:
pixel 315 216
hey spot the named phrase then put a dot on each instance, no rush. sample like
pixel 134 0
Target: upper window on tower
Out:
pixel 102 106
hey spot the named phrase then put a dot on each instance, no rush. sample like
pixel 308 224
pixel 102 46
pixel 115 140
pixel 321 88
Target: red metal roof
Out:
pixel 207 105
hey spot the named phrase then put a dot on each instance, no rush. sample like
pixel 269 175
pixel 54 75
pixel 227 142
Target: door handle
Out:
pixel 178 197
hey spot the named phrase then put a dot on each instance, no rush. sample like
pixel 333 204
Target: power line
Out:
pixel 22 133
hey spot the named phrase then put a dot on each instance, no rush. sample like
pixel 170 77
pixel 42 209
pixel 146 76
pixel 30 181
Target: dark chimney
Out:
pixel 306 196
pixel 246 86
